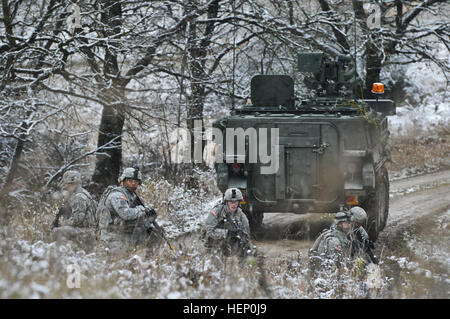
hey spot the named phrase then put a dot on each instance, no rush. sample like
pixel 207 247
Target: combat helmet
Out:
pixel 131 173
pixel 343 216
pixel 233 194
pixel 71 177
pixel 359 215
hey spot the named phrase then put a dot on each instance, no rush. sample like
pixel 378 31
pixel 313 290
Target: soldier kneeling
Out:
pixel 76 219
pixel 362 245
pixel 333 246
pixel 226 227
pixel 124 221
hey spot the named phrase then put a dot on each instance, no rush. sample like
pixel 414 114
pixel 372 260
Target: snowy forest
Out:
pixel 100 85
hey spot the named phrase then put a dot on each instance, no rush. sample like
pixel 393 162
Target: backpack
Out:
pixel 315 246
pixel 92 210
pixel 103 214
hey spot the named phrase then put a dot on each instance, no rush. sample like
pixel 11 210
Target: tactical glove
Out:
pixel 219 234
pixel 232 233
pixel 150 213
pixel 368 243
pixel 149 225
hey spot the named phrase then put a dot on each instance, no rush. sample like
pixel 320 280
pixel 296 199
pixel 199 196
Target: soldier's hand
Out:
pixel 150 213
pixel 219 234
pixel 368 243
pixel 149 225
pixel 232 233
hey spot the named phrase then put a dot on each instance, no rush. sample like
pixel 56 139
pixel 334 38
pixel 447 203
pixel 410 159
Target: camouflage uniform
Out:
pixel 82 210
pixel 78 213
pixel 361 235
pixel 361 243
pixel 120 220
pixel 121 216
pixel 333 244
pixel 220 225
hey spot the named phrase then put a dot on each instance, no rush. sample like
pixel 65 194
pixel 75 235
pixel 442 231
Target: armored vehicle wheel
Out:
pixel 255 220
pixel 377 206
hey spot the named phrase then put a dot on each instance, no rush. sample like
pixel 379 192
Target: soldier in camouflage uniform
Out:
pixel 227 227
pixel 359 220
pixel 122 215
pixel 76 219
pixel 333 246
pixel 361 243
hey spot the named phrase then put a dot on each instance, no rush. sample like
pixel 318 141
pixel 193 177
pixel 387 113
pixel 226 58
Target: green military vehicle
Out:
pixel 326 152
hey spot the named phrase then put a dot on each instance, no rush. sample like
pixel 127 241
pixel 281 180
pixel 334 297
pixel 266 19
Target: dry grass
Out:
pixel 421 152
pixel 415 258
pixel 32 266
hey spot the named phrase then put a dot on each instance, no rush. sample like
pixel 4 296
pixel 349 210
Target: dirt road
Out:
pixel 285 235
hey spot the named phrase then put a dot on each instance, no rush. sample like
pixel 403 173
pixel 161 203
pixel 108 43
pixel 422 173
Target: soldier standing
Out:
pixel 124 221
pixel 227 227
pixel 77 213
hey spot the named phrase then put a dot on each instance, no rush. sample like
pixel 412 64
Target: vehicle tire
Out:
pixel 255 220
pixel 377 206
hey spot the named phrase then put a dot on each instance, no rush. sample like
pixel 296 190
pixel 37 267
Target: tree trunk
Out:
pixel 109 161
pixel 198 52
pixel 107 166
pixel 13 167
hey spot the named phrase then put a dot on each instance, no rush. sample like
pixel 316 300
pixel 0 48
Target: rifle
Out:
pixel 240 235
pixel 63 210
pixel 151 223
pixel 369 246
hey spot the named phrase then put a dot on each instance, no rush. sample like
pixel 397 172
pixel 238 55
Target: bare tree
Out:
pixel 375 33
pixel 29 55
pixel 165 64
pixel 127 44
pixel 403 31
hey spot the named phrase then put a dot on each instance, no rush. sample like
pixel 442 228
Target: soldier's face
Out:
pixel 67 191
pixel 69 187
pixel 346 227
pixel 232 205
pixel 131 184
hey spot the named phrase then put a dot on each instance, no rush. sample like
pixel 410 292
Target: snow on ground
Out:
pixel 430 248
pixel 428 99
